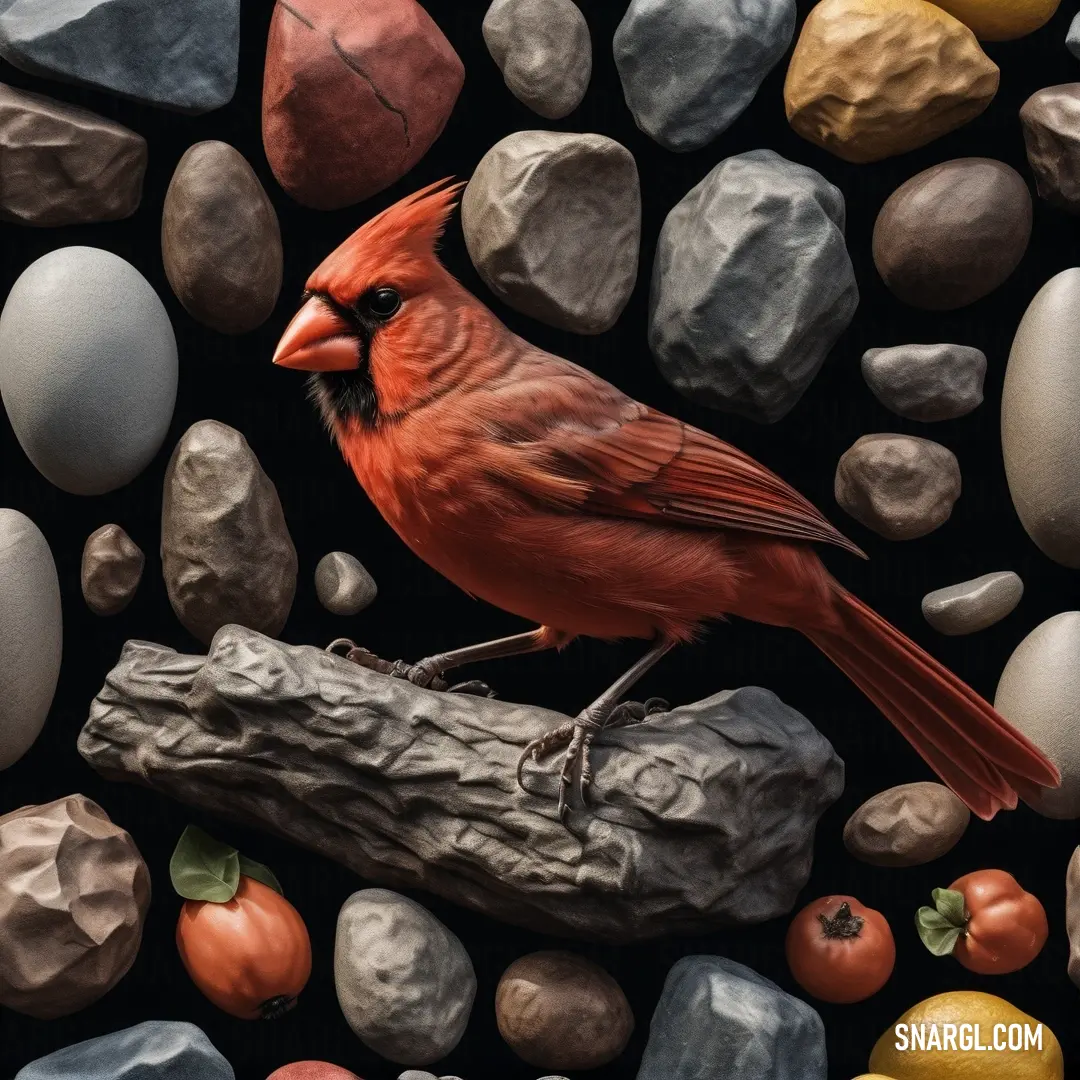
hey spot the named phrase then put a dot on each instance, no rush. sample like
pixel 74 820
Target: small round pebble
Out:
pixel 343 585
pixel 112 567
pixel 926 382
pixel 557 1010
pixel 973 605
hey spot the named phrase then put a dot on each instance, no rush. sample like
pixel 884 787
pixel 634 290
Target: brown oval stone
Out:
pixel 220 240
pixel 873 78
pixel 952 234
pixel 1051 121
pixel 560 1011
pixel 112 567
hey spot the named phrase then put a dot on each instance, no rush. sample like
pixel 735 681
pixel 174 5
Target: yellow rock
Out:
pixel 873 1076
pixel 973 1020
pixel 873 78
pixel 1001 20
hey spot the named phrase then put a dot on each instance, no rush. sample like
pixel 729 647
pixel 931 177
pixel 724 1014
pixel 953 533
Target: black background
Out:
pixel 230 379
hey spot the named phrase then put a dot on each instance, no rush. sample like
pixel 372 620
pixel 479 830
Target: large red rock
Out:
pixel 354 94
pixel 312 1070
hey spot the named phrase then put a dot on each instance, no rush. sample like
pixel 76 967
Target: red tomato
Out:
pixel 1005 928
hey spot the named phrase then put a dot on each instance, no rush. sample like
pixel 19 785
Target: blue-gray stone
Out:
pixel 155 1050
pixel 179 54
pixel 716 1018
pixel 690 67
pixel 1073 38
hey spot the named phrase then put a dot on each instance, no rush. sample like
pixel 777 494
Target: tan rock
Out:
pixel 873 78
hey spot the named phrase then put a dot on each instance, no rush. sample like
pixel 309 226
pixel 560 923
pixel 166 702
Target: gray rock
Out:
pixel 154 1050
pixel 418 1074
pixel 552 222
pixel 87 369
pixel 751 286
pixel 926 382
pixel 716 1018
pixel 180 55
pixel 1072 913
pixel 112 567
pixel 404 982
pixel 690 67
pixel 62 165
pixel 1050 118
pixel 703 816
pixel 1039 693
pixel 544 51
pixel 1072 39
pixel 31 634
pixel 973 605
pixel 343 585
pixel 226 552
pixel 899 486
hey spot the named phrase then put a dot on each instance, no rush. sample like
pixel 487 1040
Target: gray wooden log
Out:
pixel 700 816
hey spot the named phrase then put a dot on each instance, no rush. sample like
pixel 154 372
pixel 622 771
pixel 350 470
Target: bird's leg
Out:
pixel 577 735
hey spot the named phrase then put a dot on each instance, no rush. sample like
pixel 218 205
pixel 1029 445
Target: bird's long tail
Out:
pixel 974 749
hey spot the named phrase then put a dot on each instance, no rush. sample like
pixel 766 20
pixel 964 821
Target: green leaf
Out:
pixel 937 933
pixel 201 868
pixel 252 869
pixel 951 905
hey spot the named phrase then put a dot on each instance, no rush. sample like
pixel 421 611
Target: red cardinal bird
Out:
pixel 533 484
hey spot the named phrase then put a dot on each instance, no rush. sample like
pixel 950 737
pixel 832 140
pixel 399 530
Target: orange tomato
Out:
pixel 840 951
pixel 1006 927
pixel 250 956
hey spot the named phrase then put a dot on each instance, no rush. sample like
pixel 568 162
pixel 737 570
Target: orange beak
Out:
pixel 318 339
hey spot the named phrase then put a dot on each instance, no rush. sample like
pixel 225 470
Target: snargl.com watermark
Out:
pixel 1001 1038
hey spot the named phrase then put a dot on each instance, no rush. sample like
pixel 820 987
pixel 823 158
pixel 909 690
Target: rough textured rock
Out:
pixel 155 1050
pixel 907 825
pixel 899 486
pixel 552 222
pixel 544 51
pixel 1039 406
pixel 873 78
pixel 226 552
pixel 112 567
pixel 926 382
pixel 343 585
pixel 62 165
pixel 716 1018
pixel 87 369
pixel 220 240
pixel 993 20
pixel 757 226
pixel 557 1010
pixel 31 634
pixel 73 896
pixel 1039 692
pixel 312 1070
pixel 952 234
pixel 689 68
pixel 354 94
pixel 1072 915
pixel 181 55
pixel 1051 122
pixel 973 605
pixel 404 982
pixel 703 816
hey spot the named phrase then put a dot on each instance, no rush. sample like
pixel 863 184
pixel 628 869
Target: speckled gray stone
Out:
pixel 343 585
pixel 690 67
pixel 88 369
pixel 552 222
pixel 179 55
pixel 1072 39
pixel 926 382
pixel 1051 122
pixel 716 1018
pixel 751 286
pixel 973 605
pixel 404 981
pixel 112 567
pixel 899 486
pixel 544 51
pixel 31 634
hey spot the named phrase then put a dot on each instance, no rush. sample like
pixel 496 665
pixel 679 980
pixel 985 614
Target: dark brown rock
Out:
pixel 354 94
pixel 73 896
pixel 557 1010
pixel 1051 121
pixel 62 165
pixel 220 240
pixel 112 567
pixel 226 552
pixel 953 234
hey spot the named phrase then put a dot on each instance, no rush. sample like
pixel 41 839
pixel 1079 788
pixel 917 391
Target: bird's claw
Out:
pixel 423 674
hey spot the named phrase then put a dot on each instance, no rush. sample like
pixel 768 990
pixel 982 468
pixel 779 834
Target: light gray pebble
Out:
pixel 973 605
pixel 926 382
pixel 343 585
pixel 1072 40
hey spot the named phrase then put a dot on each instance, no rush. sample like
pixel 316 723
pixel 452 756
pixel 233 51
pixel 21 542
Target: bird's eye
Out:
pixel 383 303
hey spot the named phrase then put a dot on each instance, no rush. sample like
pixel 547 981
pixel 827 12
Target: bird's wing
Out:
pixel 571 440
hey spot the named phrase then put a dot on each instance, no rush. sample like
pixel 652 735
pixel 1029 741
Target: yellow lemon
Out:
pixel 1000 20
pixel 966 1035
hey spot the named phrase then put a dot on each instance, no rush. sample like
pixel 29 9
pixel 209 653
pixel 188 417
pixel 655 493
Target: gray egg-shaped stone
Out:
pixel 112 567
pixel 404 981
pixel 1039 693
pixel 1040 404
pixel 343 586
pixel 88 369
pixel 926 382
pixel 31 634
pixel 973 605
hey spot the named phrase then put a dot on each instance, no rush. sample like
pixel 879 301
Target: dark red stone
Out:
pixel 354 94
